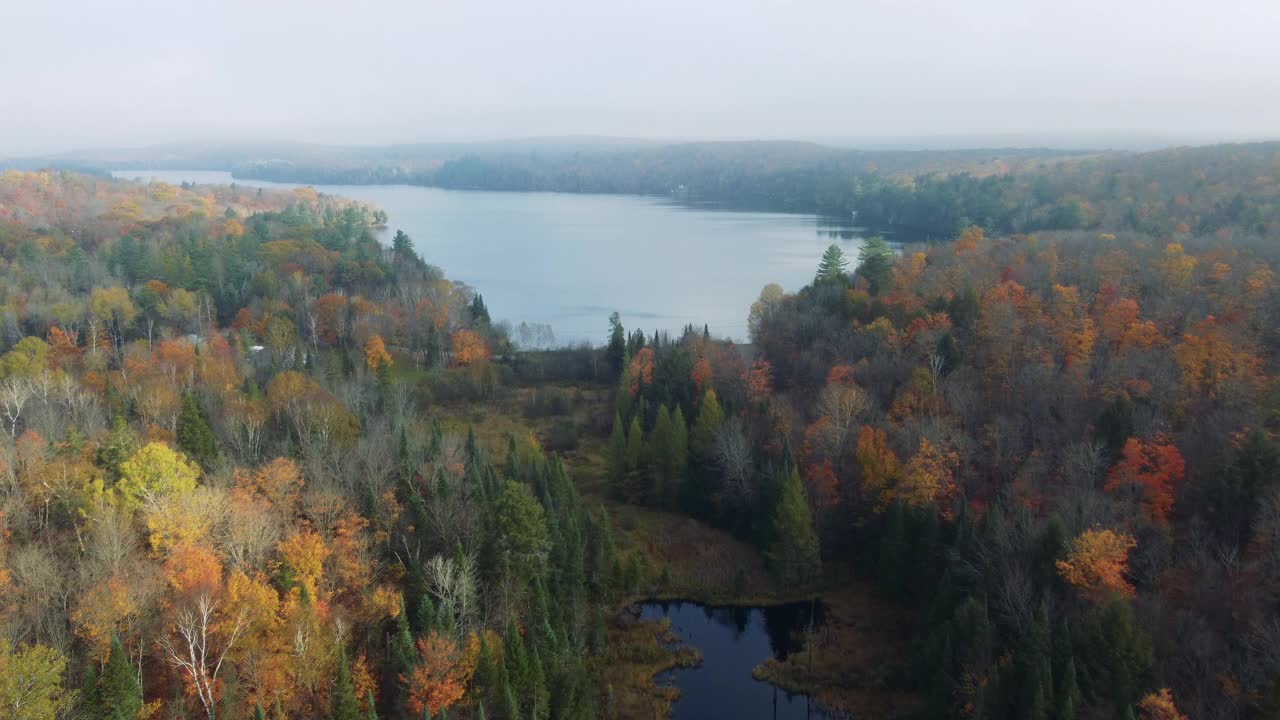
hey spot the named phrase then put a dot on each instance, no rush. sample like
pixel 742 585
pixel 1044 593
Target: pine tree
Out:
pixel 660 453
pixel 343 695
pixel 616 352
pixel 833 266
pixel 193 434
pixel 794 553
pixel 509 701
pixel 893 551
pixel 617 457
pixel 1035 676
pixel 875 263
pixel 634 484
pixel 1114 653
pixel 1066 690
pixel 371 708
pixel 710 418
pixel 679 462
pixel 258 714
pixel 119 694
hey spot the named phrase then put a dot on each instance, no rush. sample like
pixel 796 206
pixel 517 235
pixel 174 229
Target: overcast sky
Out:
pixel 95 73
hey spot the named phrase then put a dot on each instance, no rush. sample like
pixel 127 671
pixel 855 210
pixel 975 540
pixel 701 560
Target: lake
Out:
pixel 569 260
pixel 733 641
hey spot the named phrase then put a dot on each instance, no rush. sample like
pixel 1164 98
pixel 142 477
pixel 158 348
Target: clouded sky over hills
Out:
pixel 76 74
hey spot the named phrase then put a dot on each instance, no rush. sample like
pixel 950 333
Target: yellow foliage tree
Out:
pixel 153 472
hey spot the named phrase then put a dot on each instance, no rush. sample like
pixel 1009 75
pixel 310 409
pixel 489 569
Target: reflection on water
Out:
pixel 733 641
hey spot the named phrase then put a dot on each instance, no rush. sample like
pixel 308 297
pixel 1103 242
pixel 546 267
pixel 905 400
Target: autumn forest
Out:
pixel 255 463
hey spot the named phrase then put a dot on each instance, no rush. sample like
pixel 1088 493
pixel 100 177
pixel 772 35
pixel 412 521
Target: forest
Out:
pixel 921 195
pixel 255 464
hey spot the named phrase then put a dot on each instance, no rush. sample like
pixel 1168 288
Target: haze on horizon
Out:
pixel 88 74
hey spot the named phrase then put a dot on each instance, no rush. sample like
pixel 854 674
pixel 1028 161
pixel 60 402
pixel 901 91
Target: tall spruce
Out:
pixel 118 693
pixel 342 697
pixel 193 434
pixel 794 552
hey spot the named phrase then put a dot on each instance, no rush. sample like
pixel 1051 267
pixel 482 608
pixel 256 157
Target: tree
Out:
pixel 616 352
pixel 833 267
pixel 342 697
pixel 1159 706
pixel 31 682
pixel 880 468
pixel 710 417
pixel 118 693
pixel 1097 563
pixel 633 487
pixel 616 456
pixel 469 347
pixel 440 677
pixel 1155 468
pixel 152 472
pixel 875 263
pixel 929 477
pixel 1114 653
pixel 193 434
pixel 376 357
pixel 794 552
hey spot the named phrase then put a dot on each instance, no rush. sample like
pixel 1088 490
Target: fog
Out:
pixel 79 74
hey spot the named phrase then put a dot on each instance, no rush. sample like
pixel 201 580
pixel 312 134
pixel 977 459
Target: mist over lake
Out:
pixel 570 260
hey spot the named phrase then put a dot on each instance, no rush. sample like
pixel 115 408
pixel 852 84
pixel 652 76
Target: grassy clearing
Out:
pixel 638 652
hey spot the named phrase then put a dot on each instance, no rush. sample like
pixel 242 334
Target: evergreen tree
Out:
pixel 616 352
pixel 710 418
pixel 479 313
pixel 1066 690
pixel 660 453
pixel 1114 653
pixel 833 267
pixel 794 553
pixel 1035 676
pixel 119 694
pixel 616 457
pixel 342 697
pixel 258 714
pixel 679 456
pixel 193 434
pixel 371 708
pixel 893 551
pixel 875 263
pixel 634 484
pixel 121 444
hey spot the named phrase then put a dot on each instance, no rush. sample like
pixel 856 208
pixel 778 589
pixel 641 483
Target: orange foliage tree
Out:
pixel 469 347
pixel 376 356
pixel 440 678
pixel 880 466
pixel 641 370
pixel 1156 468
pixel 1097 563
pixel 1159 706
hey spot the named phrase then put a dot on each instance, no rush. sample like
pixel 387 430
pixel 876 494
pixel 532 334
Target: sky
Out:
pixel 93 73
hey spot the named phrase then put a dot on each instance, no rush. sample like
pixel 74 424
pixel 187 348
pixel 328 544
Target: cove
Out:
pixel 568 260
pixel 733 641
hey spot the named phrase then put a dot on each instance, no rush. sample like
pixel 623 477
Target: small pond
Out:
pixel 733 641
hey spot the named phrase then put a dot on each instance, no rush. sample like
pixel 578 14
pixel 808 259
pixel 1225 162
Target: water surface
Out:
pixel 733 641
pixel 569 260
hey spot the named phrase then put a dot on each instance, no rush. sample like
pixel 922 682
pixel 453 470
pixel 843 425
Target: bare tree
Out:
pixel 454 586
pixel 202 645
pixel 14 394
pixel 733 455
